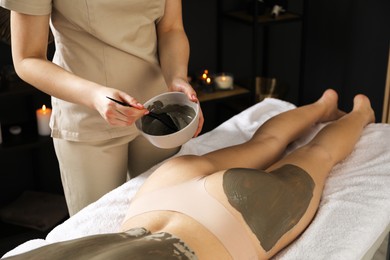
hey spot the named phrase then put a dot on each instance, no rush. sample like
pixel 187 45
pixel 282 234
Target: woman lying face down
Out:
pixel 241 202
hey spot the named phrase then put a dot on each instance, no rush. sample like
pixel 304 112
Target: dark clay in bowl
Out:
pixel 181 115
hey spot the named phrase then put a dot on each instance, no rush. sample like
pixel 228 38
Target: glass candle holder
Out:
pixel 224 81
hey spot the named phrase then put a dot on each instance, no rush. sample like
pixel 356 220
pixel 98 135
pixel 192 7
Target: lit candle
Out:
pixel 224 81
pixel 43 119
pixel 208 81
pixel 204 77
pixel 205 74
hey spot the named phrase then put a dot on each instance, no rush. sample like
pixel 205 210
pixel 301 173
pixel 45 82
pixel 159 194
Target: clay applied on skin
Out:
pixel 137 243
pixel 181 115
pixel 270 203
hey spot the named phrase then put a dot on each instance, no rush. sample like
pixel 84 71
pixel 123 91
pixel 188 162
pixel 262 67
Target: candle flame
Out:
pixel 44 108
pixel 205 74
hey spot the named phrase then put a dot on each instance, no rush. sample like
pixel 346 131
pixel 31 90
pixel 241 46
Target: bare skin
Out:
pixel 263 151
pixel 332 144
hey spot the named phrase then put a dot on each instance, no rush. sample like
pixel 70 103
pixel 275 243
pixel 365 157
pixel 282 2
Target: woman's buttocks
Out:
pixel 182 230
pixel 270 204
pixel 143 244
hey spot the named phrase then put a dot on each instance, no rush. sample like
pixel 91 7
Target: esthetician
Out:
pixel 128 50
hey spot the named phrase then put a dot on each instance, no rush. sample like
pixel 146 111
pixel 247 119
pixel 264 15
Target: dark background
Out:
pixel 340 44
pixel 345 46
pixel 337 44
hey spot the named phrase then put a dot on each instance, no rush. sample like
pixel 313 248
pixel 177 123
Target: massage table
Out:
pixel 354 213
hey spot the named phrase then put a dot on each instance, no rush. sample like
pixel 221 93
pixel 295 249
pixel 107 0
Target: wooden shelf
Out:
pixel 221 94
pixel 263 19
pixel 260 34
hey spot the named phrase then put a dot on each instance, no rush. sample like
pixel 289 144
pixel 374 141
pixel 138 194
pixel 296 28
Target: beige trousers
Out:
pixel 91 169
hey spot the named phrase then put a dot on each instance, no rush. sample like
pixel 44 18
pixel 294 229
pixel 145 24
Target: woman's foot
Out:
pixel 329 100
pixel 362 104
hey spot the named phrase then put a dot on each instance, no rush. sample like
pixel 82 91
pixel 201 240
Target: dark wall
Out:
pixel 346 48
pixel 5 54
pixel 200 22
pixel 278 48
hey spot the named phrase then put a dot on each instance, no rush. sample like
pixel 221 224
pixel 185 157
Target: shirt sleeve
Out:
pixel 31 7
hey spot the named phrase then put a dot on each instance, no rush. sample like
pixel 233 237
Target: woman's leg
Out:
pixel 263 149
pixel 331 145
pixel 271 139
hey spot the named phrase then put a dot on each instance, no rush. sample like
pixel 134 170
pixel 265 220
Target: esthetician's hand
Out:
pixel 181 85
pixel 117 114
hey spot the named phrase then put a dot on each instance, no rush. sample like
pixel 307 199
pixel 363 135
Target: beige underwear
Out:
pixel 192 199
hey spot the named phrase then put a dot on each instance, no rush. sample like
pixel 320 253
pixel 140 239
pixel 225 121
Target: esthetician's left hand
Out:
pixel 181 85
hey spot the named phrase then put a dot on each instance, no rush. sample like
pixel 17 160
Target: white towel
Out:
pixel 353 213
pixel 355 206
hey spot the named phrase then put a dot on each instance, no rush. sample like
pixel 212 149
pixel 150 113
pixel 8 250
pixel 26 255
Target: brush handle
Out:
pixel 166 120
pixel 152 114
pixel 119 102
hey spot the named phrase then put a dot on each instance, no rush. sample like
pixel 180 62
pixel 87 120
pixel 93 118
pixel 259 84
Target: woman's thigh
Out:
pixel 272 204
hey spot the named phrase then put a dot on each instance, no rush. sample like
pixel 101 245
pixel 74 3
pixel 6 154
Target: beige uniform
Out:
pixel 113 43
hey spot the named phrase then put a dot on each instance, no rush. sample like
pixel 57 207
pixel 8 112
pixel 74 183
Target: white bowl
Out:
pixel 180 137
